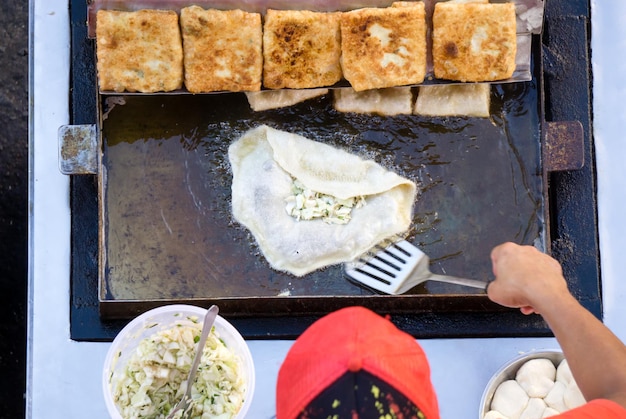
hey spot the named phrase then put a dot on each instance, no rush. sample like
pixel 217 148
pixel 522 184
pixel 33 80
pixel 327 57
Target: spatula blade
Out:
pixel 387 270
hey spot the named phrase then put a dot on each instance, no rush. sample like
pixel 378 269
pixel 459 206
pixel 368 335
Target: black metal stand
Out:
pixel 574 237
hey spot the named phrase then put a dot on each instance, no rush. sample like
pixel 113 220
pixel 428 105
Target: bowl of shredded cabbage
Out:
pixel 146 368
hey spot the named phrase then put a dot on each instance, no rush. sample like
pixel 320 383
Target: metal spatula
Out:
pixel 398 268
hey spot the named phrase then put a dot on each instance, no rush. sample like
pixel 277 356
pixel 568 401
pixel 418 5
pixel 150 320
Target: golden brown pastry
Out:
pixel 384 47
pixel 139 51
pixel 222 49
pixel 474 42
pixel 301 49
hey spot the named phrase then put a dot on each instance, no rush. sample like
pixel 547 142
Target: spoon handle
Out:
pixel 209 319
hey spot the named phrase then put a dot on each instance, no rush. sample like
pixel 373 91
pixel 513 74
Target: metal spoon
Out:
pixel 209 319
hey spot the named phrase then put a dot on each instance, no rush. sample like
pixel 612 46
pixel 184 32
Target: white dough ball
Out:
pixel 494 414
pixel 554 399
pixel 563 373
pixel 537 377
pixel 573 396
pixel 534 408
pixel 550 412
pixel 510 399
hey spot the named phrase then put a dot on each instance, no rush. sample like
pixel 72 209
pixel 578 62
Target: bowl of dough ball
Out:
pixel 146 367
pixel 537 384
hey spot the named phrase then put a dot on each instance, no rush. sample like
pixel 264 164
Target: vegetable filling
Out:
pixel 306 204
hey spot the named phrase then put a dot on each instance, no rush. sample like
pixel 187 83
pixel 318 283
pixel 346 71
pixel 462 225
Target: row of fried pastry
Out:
pixel 471 99
pixel 233 50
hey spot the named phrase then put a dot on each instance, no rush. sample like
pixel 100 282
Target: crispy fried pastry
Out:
pixel 301 49
pixel 139 51
pixel 474 42
pixel 384 47
pixel 222 49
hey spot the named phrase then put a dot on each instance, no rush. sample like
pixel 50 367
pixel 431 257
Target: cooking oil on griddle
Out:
pixel 168 229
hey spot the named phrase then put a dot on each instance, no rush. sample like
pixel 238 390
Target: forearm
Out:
pixel 533 282
pixel 597 358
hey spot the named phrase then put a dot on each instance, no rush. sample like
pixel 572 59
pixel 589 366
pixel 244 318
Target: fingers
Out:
pixel 510 267
pixel 498 252
pixel 525 277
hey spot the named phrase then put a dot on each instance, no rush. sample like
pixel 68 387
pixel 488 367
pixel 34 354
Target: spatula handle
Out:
pixel 474 283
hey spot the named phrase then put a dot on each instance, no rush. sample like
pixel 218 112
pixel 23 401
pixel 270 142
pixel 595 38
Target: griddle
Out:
pixel 569 227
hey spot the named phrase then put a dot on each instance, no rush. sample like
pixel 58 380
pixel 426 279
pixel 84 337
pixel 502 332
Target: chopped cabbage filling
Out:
pixel 155 377
pixel 305 204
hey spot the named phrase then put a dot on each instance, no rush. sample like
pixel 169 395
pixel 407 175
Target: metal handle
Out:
pixel 78 149
pixel 474 283
pixel 209 319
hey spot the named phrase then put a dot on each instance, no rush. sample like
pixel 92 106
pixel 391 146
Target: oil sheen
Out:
pixel 167 226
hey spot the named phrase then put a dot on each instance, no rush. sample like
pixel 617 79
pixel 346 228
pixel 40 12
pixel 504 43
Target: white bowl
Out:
pixel 508 372
pixel 163 318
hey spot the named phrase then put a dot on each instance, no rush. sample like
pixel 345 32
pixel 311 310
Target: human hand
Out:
pixel 525 278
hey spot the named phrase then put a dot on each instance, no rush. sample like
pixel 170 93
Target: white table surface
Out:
pixel 63 376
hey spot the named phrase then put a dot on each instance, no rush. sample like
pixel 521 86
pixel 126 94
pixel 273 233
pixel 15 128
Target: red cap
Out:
pixel 353 339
